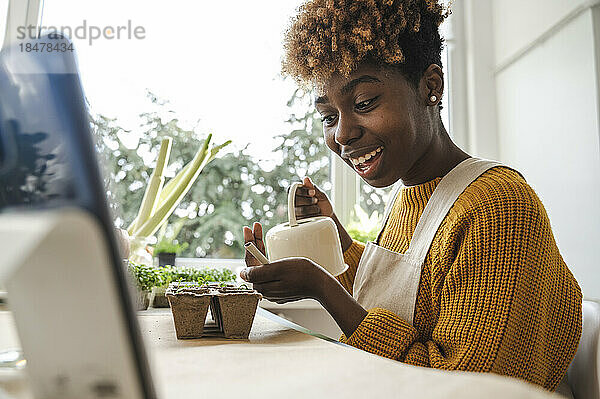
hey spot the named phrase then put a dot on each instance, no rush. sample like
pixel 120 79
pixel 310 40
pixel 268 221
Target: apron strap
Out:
pixel 442 199
pixel 389 206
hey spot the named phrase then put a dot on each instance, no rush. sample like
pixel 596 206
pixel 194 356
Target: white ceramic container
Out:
pixel 314 238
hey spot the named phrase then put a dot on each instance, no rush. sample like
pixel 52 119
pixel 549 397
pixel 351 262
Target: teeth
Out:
pixel 365 157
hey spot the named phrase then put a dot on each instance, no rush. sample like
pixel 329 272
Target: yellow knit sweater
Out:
pixel 494 295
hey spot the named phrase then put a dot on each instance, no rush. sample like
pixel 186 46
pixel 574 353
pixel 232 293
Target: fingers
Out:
pixel 291 299
pixel 308 189
pixel 260 274
pixel 285 280
pixel 305 211
pixel 253 235
pixel 251 260
pixel 282 300
pixel 307 182
pixel 304 201
pixel 304 191
pixel 271 288
pixel 275 291
pixel 258 236
pixel 257 230
pixel 248 234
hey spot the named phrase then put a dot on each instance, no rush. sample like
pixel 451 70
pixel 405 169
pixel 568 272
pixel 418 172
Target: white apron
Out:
pixel 390 280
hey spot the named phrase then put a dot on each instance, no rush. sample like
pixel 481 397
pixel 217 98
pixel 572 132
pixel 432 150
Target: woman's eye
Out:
pixel 328 119
pixel 365 104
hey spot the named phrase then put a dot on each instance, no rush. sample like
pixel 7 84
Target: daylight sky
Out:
pixel 214 61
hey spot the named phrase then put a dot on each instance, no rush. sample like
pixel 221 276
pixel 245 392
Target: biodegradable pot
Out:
pixel 233 310
pixel 159 299
pixel 143 300
pixel 189 305
pixel 166 258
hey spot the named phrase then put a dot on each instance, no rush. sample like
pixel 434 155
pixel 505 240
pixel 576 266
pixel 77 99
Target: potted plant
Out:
pixel 182 274
pixel 167 251
pixel 168 274
pixel 145 277
pixel 167 248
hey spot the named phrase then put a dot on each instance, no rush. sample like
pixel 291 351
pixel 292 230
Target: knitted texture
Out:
pixel 494 295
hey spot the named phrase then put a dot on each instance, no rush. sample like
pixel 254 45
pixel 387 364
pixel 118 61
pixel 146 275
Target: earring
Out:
pixel 433 98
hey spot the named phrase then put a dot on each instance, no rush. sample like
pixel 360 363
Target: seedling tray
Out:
pixel 232 309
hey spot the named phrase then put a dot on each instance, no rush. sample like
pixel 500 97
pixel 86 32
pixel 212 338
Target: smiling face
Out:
pixel 373 120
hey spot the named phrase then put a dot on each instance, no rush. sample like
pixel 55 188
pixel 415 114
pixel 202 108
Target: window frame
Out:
pixel 344 189
pixel 21 13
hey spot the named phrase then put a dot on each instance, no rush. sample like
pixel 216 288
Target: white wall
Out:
pixel 519 22
pixel 547 113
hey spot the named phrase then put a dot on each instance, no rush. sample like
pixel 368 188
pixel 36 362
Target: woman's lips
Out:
pixel 367 168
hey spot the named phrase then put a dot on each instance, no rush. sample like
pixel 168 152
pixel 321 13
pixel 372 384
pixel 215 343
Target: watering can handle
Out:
pixel 292 204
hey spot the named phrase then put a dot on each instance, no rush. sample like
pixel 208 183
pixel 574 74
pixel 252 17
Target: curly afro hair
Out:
pixel 329 36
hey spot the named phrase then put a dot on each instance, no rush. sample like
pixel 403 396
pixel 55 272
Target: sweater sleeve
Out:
pixel 507 303
pixel 351 258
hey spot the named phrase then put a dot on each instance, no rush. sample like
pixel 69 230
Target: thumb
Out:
pixel 308 183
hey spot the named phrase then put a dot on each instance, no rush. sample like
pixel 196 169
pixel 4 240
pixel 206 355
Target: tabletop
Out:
pixel 280 359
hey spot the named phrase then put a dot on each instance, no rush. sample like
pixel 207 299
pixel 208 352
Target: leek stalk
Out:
pixel 176 181
pixel 160 200
pixel 174 197
pixel 171 184
pixel 168 189
pixel 155 184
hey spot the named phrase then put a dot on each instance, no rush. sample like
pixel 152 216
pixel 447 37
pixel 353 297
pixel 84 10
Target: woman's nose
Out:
pixel 347 130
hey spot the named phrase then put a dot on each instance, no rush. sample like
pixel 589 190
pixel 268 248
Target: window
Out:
pixel 196 68
pixel 185 69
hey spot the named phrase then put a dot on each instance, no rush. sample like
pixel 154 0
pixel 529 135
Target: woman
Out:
pixel 467 279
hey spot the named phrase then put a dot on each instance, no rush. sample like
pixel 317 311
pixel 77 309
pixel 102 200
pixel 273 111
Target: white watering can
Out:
pixel 315 238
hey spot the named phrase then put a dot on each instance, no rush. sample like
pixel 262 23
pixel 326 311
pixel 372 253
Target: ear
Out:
pixel 432 85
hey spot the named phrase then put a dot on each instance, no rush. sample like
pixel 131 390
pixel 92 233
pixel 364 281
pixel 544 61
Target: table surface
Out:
pixel 280 359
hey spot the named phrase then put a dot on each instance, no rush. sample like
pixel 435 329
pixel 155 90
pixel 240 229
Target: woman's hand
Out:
pixel 293 279
pixel 310 202
pixel 287 280
pixel 254 235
